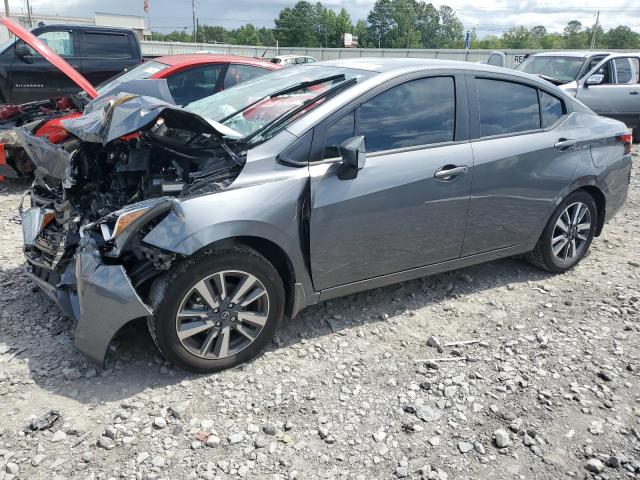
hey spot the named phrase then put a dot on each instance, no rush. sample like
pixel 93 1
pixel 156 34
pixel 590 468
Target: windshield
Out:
pixel 564 69
pixel 144 70
pixel 250 107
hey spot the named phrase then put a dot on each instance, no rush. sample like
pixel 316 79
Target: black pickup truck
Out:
pixel 96 52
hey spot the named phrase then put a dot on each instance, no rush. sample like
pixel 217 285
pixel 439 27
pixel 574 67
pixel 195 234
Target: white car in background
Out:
pixel 288 60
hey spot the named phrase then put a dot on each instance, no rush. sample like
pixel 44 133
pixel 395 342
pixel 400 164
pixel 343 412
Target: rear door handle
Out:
pixel 450 172
pixel 634 93
pixel 565 144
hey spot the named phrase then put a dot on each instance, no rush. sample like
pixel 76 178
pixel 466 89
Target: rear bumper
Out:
pixel 98 296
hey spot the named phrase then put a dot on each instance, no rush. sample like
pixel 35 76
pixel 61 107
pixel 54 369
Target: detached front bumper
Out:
pixel 100 297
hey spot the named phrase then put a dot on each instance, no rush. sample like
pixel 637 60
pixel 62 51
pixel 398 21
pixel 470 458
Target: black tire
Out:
pixel 542 255
pixel 167 292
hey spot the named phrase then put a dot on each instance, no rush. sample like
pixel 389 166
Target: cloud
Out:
pixel 488 17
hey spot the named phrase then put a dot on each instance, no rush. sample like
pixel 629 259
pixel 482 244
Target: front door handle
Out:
pixel 564 144
pixel 450 172
pixel 634 93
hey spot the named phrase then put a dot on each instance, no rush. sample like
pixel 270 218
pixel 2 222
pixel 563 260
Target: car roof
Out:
pixel 577 54
pixel 64 26
pixel 293 56
pixel 377 64
pixel 200 58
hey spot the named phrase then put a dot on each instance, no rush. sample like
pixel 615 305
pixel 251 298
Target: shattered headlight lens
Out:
pixel 127 216
pixel 127 219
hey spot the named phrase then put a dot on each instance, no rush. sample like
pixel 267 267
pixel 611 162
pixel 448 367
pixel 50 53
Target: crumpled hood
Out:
pixel 149 87
pixel 126 113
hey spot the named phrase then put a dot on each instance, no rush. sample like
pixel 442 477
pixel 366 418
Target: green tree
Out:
pixel 575 36
pixel 517 37
pixel 247 35
pixel 451 34
pixel 428 25
pixel 362 32
pixel 552 41
pixel 491 42
pixel 622 37
pixel 267 36
pixel 381 23
pixel 298 25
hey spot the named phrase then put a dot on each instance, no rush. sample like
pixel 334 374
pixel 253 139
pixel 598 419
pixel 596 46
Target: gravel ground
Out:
pixel 365 387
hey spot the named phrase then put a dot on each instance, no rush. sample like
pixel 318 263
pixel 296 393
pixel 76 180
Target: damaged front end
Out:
pixel 99 192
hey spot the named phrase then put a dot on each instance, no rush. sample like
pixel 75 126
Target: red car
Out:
pixel 189 77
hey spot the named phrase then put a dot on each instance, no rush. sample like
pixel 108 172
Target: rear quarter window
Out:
pixel 107 45
pixel 552 109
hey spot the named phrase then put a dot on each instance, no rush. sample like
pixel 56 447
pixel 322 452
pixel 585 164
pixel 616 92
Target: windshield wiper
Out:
pixel 284 91
pixel 553 80
pixel 291 113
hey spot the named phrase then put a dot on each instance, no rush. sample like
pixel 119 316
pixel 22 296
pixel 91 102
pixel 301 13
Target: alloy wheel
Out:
pixel 222 314
pixel 571 232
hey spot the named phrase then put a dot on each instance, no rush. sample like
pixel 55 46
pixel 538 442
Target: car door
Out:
pixel 106 54
pixel 395 215
pixel 525 153
pixel 34 78
pixel 618 94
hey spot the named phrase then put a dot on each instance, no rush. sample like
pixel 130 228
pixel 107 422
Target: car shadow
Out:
pixel 13 186
pixel 135 365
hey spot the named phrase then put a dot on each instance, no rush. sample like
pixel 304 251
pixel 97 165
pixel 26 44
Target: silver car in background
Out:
pixel 216 220
pixel 608 83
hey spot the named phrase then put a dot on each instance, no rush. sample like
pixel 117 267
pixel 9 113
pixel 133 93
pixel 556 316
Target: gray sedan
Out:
pixel 216 220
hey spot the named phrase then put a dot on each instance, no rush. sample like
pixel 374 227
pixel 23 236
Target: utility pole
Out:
pixel 594 32
pixel 6 8
pixel 193 12
pixel 29 13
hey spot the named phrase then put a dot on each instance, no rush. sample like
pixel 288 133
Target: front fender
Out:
pixel 270 210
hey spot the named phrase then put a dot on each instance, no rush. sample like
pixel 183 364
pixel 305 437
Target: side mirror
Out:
pixel 353 158
pixel 595 79
pixel 23 51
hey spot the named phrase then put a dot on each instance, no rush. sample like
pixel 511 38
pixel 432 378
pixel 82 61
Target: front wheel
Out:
pixel 568 234
pixel 216 310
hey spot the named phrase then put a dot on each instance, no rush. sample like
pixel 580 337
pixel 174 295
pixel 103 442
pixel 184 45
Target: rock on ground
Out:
pixel 542 381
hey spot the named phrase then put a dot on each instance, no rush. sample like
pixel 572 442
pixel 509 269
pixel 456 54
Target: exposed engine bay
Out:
pixel 27 113
pixel 106 188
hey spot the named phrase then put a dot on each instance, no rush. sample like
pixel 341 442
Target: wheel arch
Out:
pixel 275 254
pixel 601 203
pixel 595 187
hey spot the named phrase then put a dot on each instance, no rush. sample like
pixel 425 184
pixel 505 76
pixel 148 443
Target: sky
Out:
pixel 487 16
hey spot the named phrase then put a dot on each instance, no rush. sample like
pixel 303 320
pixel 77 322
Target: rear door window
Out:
pixel 627 70
pixel 418 112
pixel 106 45
pixel 506 107
pixel 241 73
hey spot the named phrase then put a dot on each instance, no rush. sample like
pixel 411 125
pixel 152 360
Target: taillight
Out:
pixel 627 139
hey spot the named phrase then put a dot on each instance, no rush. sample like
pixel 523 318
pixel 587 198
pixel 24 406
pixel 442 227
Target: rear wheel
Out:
pixel 216 310
pixel 568 234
